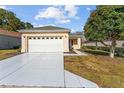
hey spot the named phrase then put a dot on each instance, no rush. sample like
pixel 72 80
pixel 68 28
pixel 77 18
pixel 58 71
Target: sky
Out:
pixel 68 16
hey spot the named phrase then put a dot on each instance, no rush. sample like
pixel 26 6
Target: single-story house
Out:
pixel 49 39
pixel 9 40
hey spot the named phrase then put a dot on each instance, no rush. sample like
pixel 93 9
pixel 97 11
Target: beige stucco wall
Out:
pixel 26 35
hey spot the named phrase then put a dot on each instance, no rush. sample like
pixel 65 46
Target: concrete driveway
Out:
pixel 39 70
pixel 33 69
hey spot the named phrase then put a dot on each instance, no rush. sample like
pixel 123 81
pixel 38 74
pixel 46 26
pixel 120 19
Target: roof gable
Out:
pixel 50 28
pixel 46 29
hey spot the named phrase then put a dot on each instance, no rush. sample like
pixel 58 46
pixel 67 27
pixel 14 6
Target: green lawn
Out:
pixel 8 53
pixel 103 70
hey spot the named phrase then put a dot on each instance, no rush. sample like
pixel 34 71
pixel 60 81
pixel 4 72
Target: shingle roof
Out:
pixel 46 29
pixel 77 35
pixel 8 33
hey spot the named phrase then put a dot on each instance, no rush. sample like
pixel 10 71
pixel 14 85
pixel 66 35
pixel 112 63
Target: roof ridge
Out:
pixel 46 28
pixel 50 26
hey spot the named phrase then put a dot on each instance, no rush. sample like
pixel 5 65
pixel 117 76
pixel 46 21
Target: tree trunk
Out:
pixel 96 45
pixel 112 49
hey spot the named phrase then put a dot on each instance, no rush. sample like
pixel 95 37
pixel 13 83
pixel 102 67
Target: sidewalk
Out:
pixel 78 53
pixel 75 81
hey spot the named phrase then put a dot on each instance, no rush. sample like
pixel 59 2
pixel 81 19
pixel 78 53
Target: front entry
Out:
pixel 73 43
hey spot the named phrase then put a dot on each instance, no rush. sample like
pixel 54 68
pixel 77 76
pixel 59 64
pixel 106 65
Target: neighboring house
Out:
pixel 49 39
pixel 9 40
pixel 119 43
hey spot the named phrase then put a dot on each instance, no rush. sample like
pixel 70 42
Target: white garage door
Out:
pixel 45 44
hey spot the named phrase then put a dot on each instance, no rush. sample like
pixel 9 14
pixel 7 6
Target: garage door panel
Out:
pixel 45 45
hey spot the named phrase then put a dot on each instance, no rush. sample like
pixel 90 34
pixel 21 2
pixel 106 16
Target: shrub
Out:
pixel 104 48
pixel 84 47
pixel 90 47
pixel 16 47
pixel 97 52
pixel 119 51
pixel 94 48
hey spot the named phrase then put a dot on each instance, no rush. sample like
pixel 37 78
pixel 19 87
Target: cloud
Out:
pixel 88 9
pixel 72 10
pixel 61 14
pixel 3 7
pixel 50 12
pixel 63 21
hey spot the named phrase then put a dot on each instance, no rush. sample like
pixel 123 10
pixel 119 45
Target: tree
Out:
pixel 22 25
pixel 25 25
pixel 105 23
pixel 10 22
pixel 28 25
pixel 121 36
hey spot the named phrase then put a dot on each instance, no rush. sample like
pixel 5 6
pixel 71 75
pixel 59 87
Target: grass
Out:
pixel 8 53
pixel 103 70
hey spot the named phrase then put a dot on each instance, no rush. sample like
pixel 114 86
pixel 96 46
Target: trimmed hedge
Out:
pixel 94 48
pixel 119 51
pixel 89 47
pixel 96 52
